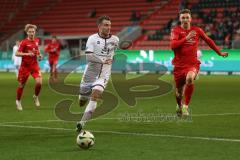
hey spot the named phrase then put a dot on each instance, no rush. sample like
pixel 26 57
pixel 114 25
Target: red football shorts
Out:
pixel 26 70
pixel 180 74
pixel 53 59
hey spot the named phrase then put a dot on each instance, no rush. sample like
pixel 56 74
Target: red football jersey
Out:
pixel 53 48
pixel 185 51
pixel 27 46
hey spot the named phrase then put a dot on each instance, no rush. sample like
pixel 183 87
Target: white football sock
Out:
pixel 88 112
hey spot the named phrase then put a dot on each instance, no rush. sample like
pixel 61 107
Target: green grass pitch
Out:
pixel 212 133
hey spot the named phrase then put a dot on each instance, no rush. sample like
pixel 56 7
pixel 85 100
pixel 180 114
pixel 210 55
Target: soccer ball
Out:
pixel 85 140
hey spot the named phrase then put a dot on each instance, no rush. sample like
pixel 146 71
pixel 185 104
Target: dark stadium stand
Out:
pixel 7 14
pixel 155 23
pixel 70 17
pixel 22 12
pixel 219 19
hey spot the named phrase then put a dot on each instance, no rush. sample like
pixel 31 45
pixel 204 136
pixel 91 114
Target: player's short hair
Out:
pixel 102 18
pixel 28 26
pixel 183 11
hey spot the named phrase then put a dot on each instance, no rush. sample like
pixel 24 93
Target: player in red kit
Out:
pixel 184 43
pixel 53 50
pixel 29 51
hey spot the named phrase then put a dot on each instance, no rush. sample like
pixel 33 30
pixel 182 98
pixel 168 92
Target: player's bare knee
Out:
pixel 39 81
pixel 95 95
pixel 189 80
pixel 96 92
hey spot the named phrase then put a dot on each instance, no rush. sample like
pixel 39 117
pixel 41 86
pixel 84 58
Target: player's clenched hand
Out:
pixel 190 35
pixel 108 61
pixel 224 54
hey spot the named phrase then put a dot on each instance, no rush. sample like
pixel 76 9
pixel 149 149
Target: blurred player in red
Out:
pixel 53 50
pixel 184 43
pixel 29 51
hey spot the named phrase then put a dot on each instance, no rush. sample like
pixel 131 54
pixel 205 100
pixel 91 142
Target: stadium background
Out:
pixel 146 23
pixel 213 129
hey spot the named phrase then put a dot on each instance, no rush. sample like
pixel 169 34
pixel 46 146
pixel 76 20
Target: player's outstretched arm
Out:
pixel 20 54
pixel 211 44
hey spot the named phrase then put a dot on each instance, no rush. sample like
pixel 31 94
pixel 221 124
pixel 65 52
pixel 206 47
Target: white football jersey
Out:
pixel 103 48
pixel 16 60
pixel 98 73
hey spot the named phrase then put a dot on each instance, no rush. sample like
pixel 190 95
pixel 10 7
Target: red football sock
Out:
pixel 37 89
pixel 188 93
pixel 19 92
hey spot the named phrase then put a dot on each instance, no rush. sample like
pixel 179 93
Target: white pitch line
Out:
pixel 216 114
pixel 171 136
pixel 40 121
pixel 119 118
pixel 51 120
pixel 173 114
pixel 131 133
pixel 35 127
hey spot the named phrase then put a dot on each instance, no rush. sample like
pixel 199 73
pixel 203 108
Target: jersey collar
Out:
pixel 104 37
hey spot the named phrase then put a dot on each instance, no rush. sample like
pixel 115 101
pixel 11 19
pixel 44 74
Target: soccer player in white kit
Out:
pixel 99 52
pixel 16 60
